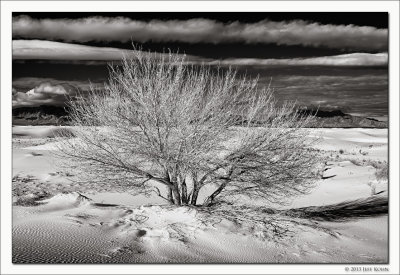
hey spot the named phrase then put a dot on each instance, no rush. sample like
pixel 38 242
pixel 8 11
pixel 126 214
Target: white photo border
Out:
pixel 7 7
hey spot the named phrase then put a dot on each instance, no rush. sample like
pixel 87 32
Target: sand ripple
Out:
pixel 58 242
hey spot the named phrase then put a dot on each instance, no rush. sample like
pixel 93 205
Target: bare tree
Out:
pixel 161 125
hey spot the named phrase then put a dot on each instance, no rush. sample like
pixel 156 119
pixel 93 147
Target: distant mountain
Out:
pixel 338 119
pixel 58 115
pixel 40 115
pixel 322 113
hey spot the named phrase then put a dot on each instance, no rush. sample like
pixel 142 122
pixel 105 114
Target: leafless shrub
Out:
pixel 165 127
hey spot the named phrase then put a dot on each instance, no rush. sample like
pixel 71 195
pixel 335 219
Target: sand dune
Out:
pixel 37 131
pixel 58 221
pixel 91 233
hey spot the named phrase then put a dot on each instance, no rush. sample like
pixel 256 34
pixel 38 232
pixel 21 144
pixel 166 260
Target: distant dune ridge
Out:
pixel 58 115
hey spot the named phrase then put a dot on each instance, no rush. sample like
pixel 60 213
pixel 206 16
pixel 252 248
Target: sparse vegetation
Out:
pixel 372 185
pixel 377 164
pixel 382 172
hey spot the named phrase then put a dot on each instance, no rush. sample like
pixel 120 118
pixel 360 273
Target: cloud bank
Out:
pixel 43 49
pixel 40 49
pixel 353 59
pixel 200 30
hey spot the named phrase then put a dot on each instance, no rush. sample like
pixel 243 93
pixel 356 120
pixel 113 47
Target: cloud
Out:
pixel 49 89
pixel 35 91
pixel 44 94
pixel 40 49
pixel 26 83
pixel 353 59
pixel 200 30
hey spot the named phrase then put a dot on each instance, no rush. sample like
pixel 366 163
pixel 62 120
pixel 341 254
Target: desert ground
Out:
pixel 56 220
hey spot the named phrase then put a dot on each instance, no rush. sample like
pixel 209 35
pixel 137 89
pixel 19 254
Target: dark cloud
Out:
pixel 200 30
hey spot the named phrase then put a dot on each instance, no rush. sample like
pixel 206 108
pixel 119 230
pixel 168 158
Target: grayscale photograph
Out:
pixel 200 137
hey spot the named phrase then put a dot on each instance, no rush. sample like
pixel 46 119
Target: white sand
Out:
pixel 37 131
pixel 71 229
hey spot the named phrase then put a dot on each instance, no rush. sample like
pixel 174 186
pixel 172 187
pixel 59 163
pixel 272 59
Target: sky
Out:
pixel 326 60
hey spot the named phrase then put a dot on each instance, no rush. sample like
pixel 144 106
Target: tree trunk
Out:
pixel 195 195
pixel 177 195
pixel 196 189
pixel 169 191
pixel 170 196
pixel 185 198
pixel 225 181
pixel 211 198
